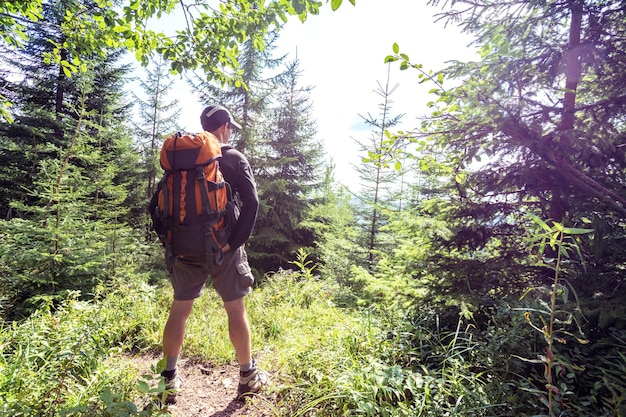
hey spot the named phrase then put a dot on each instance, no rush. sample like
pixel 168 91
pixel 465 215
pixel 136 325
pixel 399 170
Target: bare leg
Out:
pixel 239 330
pixel 174 331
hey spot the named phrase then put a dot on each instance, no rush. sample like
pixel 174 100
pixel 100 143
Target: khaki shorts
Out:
pixel 232 279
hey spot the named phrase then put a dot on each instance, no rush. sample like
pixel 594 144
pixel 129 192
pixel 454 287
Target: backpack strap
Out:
pixel 209 233
pixel 204 193
pixel 214 186
pixel 164 214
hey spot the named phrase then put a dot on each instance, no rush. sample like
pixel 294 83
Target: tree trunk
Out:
pixel 558 202
pixel 58 102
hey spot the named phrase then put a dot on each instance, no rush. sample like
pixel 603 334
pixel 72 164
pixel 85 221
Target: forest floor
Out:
pixel 207 390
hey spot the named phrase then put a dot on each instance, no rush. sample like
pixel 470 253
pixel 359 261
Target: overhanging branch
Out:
pixel 575 177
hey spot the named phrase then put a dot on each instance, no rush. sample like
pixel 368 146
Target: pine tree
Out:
pixel 158 117
pixel 72 169
pixel 287 176
pixel 377 173
pixel 248 102
pixel 332 217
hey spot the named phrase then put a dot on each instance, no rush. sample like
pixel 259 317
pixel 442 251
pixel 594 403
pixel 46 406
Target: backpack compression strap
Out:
pixel 164 214
pixel 209 233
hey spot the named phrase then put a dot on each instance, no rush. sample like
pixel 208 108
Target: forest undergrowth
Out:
pixel 330 356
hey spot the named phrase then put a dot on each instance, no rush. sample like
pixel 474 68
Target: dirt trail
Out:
pixel 207 390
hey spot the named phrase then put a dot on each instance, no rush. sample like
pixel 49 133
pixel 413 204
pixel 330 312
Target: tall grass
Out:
pixel 55 362
pixel 326 360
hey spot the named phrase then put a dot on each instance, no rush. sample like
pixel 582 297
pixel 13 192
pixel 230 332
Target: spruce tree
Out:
pixel 378 172
pixel 72 168
pixel 37 94
pixel 287 176
pixel 158 117
pixel 332 216
pixel 247 102
pixel 534 126
pixel 71 232
pixel 277 138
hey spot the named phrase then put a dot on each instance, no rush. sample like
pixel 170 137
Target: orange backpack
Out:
pixel 192 196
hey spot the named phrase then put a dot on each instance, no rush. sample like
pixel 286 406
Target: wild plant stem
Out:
pixel 550 355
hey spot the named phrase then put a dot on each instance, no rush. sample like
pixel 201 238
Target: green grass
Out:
pixel 59 362
pixel 53 363
pixel 326 360
pixel 298 334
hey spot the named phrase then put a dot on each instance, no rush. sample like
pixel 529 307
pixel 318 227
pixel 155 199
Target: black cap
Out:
pixel 214 116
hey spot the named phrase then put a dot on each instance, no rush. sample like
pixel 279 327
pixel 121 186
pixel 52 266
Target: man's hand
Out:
pixel 219 256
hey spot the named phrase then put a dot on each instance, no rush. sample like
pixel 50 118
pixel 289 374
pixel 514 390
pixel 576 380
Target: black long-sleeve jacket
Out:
pixel 238 173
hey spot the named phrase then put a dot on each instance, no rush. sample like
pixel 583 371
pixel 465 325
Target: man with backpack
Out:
pixel 226 263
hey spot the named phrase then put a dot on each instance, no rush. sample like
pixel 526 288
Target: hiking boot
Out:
pixel 172 387
pixel 251 382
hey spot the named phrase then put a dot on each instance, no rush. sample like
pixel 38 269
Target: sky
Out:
pixel 341 56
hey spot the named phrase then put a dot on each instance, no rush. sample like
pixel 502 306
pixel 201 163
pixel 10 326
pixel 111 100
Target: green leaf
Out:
pixel 396 48
pixel 160 366
pixel 334 4
pixel 398 165
pixel 540 223
pixel 143 386
pixel 576 231
pixel 527 359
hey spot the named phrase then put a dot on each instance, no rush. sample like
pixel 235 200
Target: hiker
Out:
pixel 228 269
